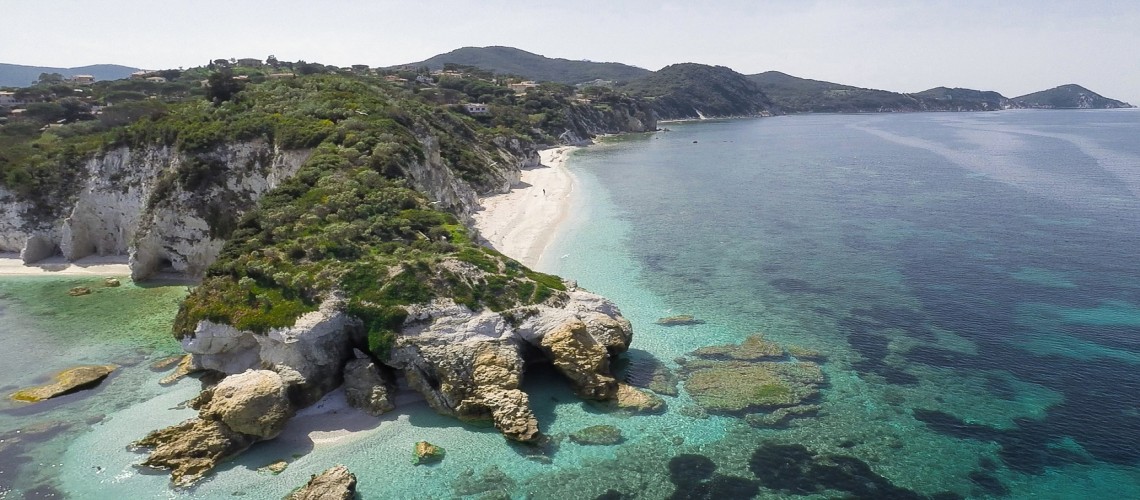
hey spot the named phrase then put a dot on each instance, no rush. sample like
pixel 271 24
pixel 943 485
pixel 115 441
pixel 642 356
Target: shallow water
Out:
pixel 969 277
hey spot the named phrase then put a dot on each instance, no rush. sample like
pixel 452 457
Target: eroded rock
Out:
pixel 336 483
pixel 582 359
pixel 426 453
pixel 597 435
pixel 368 386
pixel 66 382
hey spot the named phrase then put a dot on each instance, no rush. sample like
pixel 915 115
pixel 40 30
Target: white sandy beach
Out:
pixel 113 265
pixel 523 222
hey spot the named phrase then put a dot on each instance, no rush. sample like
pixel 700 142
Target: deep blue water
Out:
pixel 972 277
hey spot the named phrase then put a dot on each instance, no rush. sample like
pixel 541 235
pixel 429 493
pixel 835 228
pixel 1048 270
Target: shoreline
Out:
pixel 523 222
pixel 107 266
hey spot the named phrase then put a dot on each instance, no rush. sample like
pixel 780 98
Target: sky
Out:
pixel 1011 46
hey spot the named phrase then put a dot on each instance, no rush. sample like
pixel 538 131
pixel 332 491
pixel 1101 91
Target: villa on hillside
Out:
pixel 477 108
pixel 250 62
pixel 522 87
pixel 82 79
pixel 9 100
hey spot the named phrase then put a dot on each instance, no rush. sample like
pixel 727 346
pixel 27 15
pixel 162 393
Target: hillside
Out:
pixel 509 60
pixel 802 95
pixel 15 75
pixel 1069 96
pixel 690 90
pixel 958 99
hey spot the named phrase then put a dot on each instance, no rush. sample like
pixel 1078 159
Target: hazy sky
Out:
pixel 1014 47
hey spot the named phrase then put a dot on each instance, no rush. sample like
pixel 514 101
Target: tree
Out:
pixel 272 61
pixel 221 86
pixel 50 78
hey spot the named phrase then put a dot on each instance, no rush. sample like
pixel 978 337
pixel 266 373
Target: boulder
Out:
pixel 111 282
pixel 635 400
pixel 754 348
pixel 426 453
pixel 274 468
pixel 66 382
pixel 336 483
pixel 679 320
pixel 581 358
pixel 597 435
pixel 368 386
pixel 241 410
pixel 252 403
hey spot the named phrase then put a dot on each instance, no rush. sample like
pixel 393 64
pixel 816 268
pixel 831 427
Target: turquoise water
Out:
pixel 969 277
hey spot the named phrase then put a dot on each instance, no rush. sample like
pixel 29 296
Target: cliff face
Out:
pixel 167 211
pixel 139 202
pixel 587 122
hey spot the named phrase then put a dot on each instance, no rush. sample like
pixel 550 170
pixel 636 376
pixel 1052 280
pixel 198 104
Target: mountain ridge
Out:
pixel 19 75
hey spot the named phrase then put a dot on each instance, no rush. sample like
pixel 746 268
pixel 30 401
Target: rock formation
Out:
pixel 368 386
pixel 241 410
pixel 66 382
pixel 336 483
pixel 130 203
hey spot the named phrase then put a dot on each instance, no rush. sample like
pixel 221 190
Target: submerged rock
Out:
pixel 635 400
pixel 680 320
pixel 66 382
pixel 274 468
pixel 735 386
pixel 650 373
pixel 754 348
pixel 167 362
pixel 79 290
pixel 426 453
pixel 336 483
pixel 111 282
pixel 600 435
pixel 185 367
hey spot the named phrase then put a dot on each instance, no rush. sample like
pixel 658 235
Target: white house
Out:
pixel 477 108
pixel 8 100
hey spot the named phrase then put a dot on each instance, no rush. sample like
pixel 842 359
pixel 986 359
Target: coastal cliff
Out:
pixel 144 203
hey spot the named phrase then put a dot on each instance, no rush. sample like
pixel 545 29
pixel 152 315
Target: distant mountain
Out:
pixel 16 75
pixel 801 95
pixel 1068 97
pixel 692 90
pixel 957 99
pixel 509 60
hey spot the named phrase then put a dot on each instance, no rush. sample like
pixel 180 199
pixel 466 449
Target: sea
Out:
pixel 969 281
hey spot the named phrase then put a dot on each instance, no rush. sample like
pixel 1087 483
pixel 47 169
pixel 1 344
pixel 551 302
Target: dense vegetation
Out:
pixel 512 61
pixel 348 221
pixel 801 95
pixel 691 90
pixel 1068 96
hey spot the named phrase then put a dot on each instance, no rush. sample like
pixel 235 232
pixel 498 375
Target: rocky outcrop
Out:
pixel 146 204
pixel 621 114
pixel 368 386
pixel 310 354
pixel 426 453
pixel 470 364
pixel 66 382
pixel 582 359
pixel 336 483
pixel 241 410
